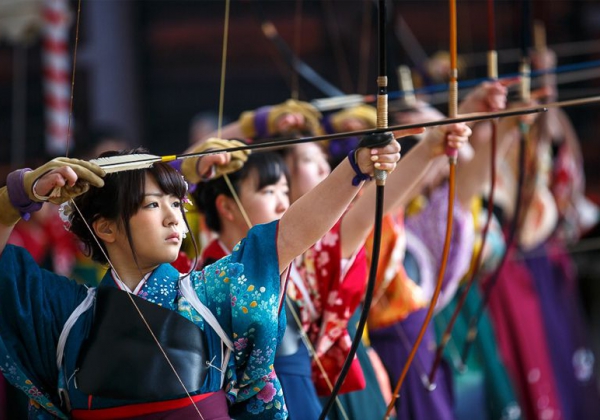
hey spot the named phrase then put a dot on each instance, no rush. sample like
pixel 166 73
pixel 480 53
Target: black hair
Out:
pixel 119 200
pixel 268 165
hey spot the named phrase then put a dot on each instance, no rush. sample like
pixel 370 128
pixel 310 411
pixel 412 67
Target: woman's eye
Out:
pixel 177 204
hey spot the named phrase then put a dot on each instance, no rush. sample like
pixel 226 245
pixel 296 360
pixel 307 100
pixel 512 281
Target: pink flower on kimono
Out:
pixel 323 259
pixel 240 343
pixel 330 239
pixel 34 392
pixel 267 393
pixel 333 330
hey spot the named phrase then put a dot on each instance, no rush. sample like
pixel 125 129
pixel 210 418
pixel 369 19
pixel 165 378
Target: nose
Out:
pixel 172 216
pixel 324 168
pixel 283 203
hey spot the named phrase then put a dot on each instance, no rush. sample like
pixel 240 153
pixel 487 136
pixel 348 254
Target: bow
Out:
pixel 525 96
pixel 270 31
pixel 438 93
pixel 380 176
pixel 296 63
pixel 493 75
pixel 452 159
pixel 156 340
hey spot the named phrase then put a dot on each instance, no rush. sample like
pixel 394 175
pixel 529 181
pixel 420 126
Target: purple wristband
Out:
pixel 17 195
pixel 327 126
pixel 177 165
pixel 260 122
pixel 360 176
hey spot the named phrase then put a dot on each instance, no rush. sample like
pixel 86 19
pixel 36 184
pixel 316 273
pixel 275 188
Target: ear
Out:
pixel 105 229
pixel 225 207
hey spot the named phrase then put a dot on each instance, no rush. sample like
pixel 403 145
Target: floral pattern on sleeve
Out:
pixel 243 292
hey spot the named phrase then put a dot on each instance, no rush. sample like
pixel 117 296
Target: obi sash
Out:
pixel 212 406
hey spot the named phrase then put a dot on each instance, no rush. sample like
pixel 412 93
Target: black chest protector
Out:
pixel 120 359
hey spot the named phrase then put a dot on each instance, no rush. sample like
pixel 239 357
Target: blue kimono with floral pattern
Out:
pixel 242 290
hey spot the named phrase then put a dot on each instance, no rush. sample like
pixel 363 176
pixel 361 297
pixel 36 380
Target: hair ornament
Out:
pixel 65 212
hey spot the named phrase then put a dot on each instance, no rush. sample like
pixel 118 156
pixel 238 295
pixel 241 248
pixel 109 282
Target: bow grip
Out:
pixel 377 140
pixel 451 153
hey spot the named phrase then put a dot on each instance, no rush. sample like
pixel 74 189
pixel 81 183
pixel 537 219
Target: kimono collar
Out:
pixel 159 287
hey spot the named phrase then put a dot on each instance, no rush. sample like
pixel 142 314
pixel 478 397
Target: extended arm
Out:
pixel 358 222
pixel 315 213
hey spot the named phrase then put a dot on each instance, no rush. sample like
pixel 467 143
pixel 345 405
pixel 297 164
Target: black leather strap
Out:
pixel 120 358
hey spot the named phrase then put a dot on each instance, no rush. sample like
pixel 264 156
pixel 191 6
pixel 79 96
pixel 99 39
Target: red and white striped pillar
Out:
pixel 56 70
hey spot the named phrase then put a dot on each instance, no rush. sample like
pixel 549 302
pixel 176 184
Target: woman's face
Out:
pixel 156 229
pixel 308 166
pixel 266 204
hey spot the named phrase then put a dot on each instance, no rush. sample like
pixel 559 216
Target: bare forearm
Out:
pixel 358 222
pixel 472 176
pixel 408 176
pixel 315 213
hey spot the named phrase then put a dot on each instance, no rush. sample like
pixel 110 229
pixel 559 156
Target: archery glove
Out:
pixel 87 173
pixel 189 167
pixel 262 122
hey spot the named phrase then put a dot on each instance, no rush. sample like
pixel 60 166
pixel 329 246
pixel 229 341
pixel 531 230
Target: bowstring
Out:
pixel 305 339
pixel 243 211
pixel 138 310
pixel 72 203
pixel 72 95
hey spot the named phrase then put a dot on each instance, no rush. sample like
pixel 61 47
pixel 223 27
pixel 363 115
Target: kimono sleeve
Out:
pixel 244 291
pixel 430 226
pixel 34 306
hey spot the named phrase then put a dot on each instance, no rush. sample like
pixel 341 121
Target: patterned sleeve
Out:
pixel 243 291
pixel 430 226
pixel 34 305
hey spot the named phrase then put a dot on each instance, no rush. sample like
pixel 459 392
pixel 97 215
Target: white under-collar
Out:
pixel 123 286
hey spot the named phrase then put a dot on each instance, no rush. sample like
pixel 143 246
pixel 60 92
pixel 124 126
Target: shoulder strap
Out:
pixel 190 295
pixel 62 339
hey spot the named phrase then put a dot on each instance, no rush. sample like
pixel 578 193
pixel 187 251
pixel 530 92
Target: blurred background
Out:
pixel 150 73
pixel 146 70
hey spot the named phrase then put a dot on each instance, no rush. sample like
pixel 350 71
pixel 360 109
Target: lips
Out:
pixel 174 236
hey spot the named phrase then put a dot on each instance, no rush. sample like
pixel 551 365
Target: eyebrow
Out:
pixel 155 194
